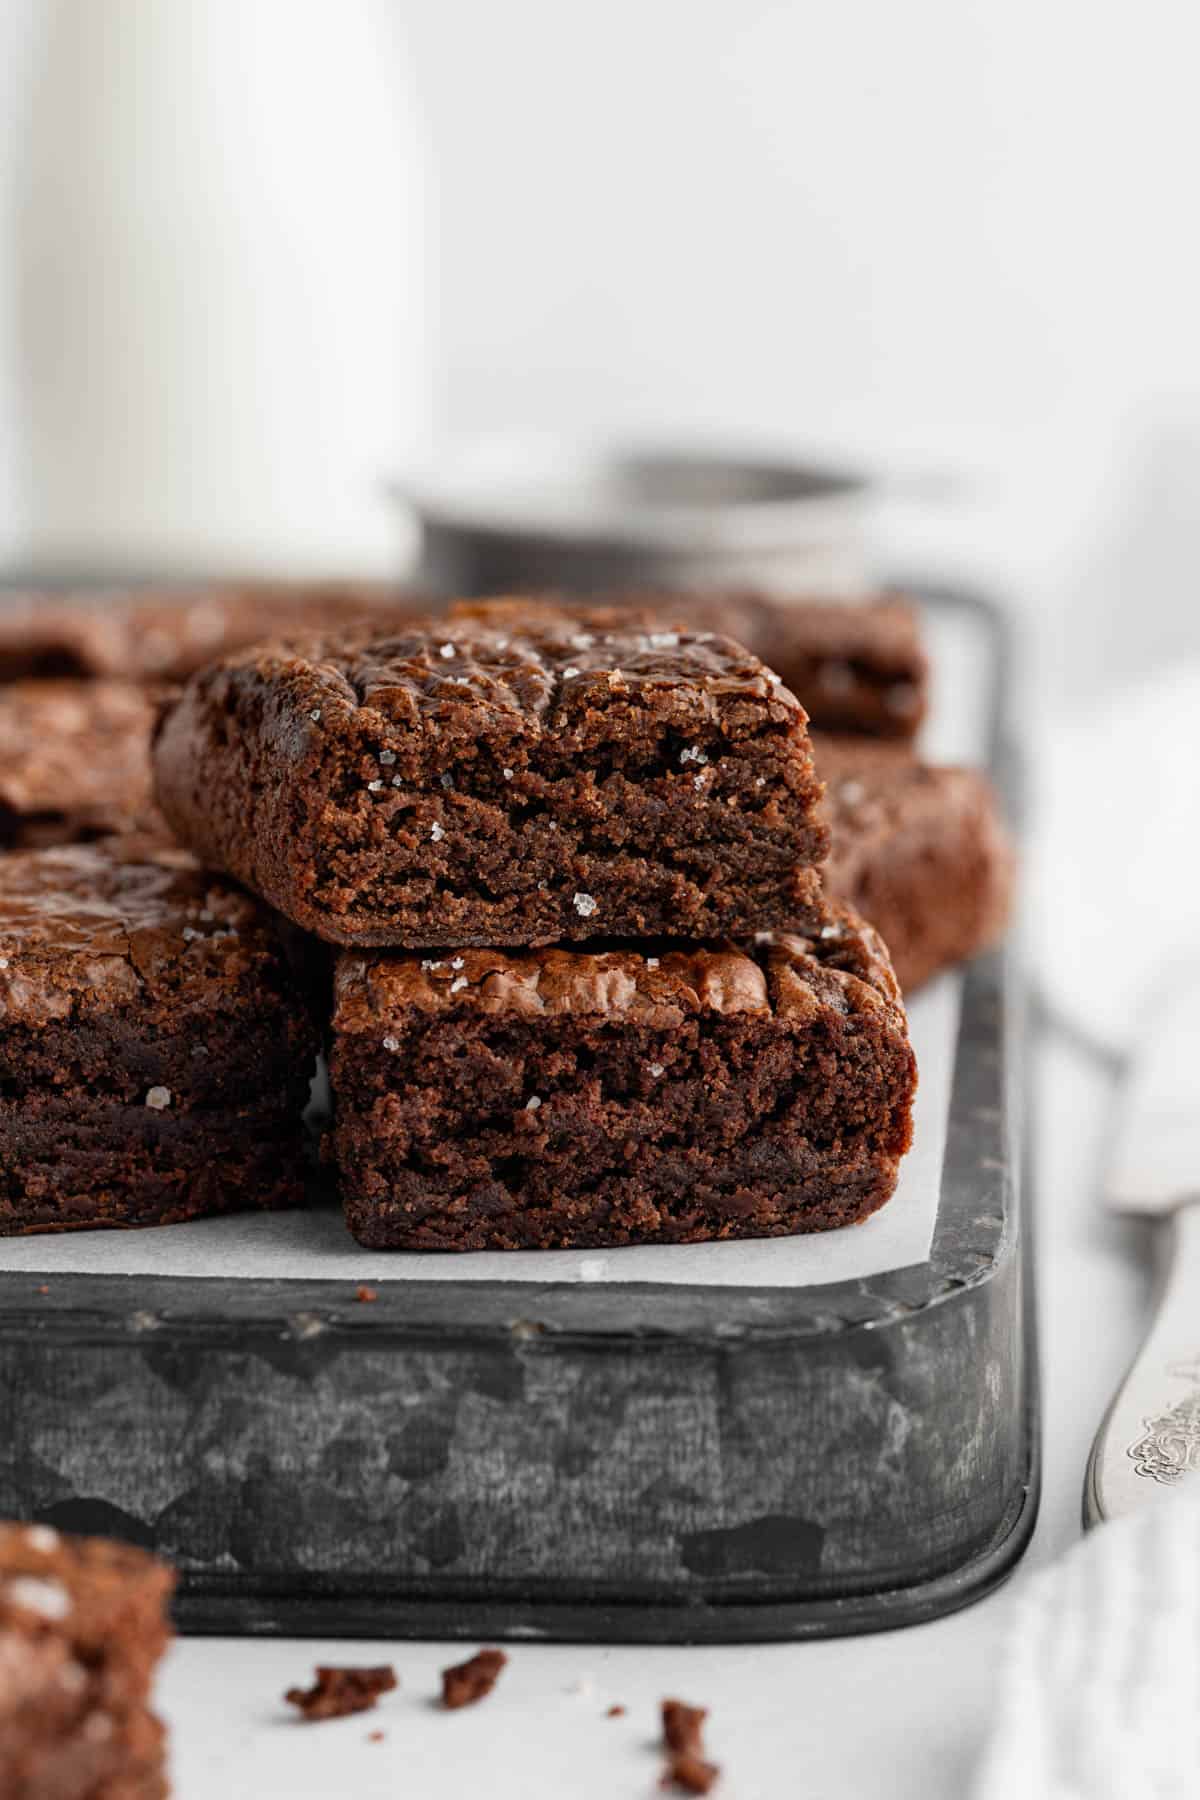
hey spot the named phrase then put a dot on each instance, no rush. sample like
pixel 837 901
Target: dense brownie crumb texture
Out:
pixel 83 1622
pixel 155 1052
pixel 466 784
pixel 592 1097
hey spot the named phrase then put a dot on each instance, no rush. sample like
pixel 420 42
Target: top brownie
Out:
pixel 165 634
pixel 551 779
pixel 854 665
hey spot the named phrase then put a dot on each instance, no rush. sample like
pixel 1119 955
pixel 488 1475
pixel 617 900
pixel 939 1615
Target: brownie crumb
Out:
pixel 682 1725
pixel 375 1737
pixel 339 1692
pixel 689 1771
pixel 366 1294
pixel 473 1680
pixel 616 1712
pixel 683 1736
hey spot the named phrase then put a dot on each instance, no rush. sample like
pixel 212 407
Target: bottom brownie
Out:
pixel 578 1098
pixel 920 851
pixel 82 1624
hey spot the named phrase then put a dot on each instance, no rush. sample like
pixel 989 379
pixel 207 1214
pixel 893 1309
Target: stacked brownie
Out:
pixel 82 1625
pixel 588 991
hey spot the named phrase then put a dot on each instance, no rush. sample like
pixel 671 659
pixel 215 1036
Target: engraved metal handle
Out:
pixel 1149 1443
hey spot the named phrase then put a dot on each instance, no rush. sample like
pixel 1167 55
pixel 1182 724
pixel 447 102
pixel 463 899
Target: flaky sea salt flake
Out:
pixel 35 1594
pixel 158 1099
pixel 584 905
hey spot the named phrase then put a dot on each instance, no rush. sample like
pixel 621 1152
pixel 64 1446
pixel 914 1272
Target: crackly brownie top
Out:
pixel 881 631
pixel 527 665
pixel 85 925
pixel 75 748
pixel 844 969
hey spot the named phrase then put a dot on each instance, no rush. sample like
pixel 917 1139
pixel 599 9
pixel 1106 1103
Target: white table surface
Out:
pixel 892 1716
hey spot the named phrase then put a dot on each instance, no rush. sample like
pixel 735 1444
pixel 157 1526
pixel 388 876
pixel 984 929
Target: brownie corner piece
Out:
pixel 538 779
pixel 83 1622
pixel 156 1042
pixel 576 1097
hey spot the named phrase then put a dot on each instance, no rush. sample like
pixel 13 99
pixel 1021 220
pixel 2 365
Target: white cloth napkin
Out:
pixel 1113 886
pixel 1100 1688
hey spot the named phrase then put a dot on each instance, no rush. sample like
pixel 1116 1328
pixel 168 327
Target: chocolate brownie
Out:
pixel 155 1053
pixel 560 1098
pixel 921 852
pixel 82 1625
pixel 165 634
pixel 459 784
pixel 853 665
pixel 74 761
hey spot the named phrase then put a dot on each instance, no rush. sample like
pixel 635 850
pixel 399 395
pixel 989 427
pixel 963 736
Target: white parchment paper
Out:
pixel 315 1245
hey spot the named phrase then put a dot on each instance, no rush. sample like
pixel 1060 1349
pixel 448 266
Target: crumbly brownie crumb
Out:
pixel 683 1736
pixel 686 1770
pixel 616 1712
pixel 338 1692
pixel 473 1680
pixel 366 1294
pixel 683 1725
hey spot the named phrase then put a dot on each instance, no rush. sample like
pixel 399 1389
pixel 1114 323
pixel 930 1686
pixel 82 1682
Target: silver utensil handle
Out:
pixel 1149 1443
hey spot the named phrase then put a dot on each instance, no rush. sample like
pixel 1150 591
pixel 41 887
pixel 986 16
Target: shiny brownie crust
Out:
pixel 854 665
pixel 155 1046
pixel 74 761
pixel 575 1098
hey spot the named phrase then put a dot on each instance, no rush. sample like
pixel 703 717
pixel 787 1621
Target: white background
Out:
pixel 953 233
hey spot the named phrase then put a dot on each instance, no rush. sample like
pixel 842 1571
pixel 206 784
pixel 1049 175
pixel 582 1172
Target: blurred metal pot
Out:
pixel 506 515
